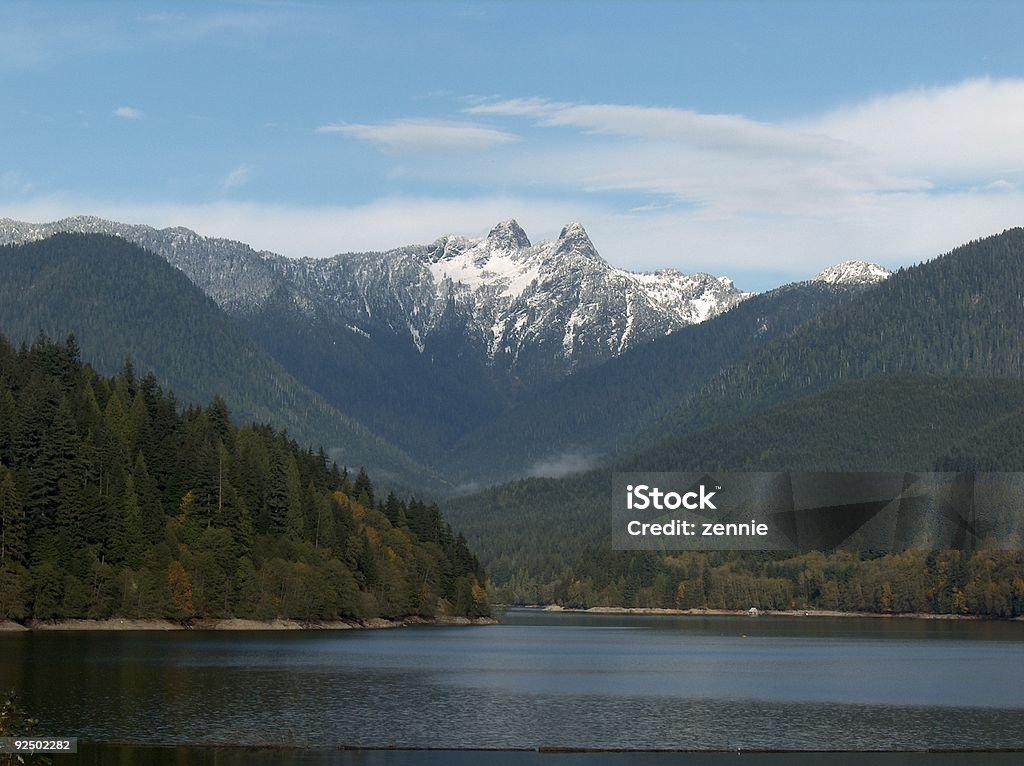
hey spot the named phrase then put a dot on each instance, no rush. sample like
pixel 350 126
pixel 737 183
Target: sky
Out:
pixel 759 140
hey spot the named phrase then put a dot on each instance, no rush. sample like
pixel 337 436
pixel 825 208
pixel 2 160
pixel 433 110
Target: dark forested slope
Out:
pixel 120 300
pixel 113 502
pixel 960 314
pixel 595 412
pixel 530 532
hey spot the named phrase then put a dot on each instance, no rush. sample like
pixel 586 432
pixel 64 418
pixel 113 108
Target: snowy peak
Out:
pixel 853 273
pixel 446 248
pixel 574 240
pixel 508 235
pixel 503 263
pixel 530 312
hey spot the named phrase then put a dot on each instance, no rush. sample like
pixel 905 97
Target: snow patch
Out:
pixel 853 273
pixel 416 338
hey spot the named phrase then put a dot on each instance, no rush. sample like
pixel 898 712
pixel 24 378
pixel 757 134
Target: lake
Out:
pixel 538 680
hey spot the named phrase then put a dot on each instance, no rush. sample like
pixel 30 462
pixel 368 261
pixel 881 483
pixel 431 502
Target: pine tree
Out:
pixel 42 442
pixel 295 519
pixel 362 489
pixel 151 516
pixel 7 410
pixel 219 418
pixel 12 521
pixel 392 508
pixel 278 499
pixel 126 542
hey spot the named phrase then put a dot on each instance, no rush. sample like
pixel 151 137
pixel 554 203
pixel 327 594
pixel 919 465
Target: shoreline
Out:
pixel 668 612
pixel 233 624
pixel 381 623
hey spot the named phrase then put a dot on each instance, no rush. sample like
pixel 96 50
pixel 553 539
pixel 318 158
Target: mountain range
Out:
pixel 519 375
pixel 921 372
pixel 456 352
pixel 532 312
pixel 124 303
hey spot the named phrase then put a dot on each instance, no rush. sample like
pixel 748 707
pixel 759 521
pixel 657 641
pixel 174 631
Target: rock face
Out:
pixel 533 312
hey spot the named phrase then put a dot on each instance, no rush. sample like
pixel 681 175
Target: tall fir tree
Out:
pixel 13 545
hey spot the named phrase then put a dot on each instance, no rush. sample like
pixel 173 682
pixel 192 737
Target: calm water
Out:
pixel 539 679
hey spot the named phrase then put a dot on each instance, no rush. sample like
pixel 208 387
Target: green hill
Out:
pixel 596 411
pixel 122 301
pixel 961 314
pixel 113 503
pixel 529 533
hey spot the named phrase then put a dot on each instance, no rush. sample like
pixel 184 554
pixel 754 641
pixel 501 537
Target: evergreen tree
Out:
pixel 392 508
pixel 93 463
pixel 13 545
pixel 362 489
pixel 295 519
pixel 126 544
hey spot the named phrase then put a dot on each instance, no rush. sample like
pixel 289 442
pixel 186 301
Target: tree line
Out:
pixel 988 583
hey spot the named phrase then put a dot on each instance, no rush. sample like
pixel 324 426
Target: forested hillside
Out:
pixel 119 300
pixel 425 343
pixel 420 401
pixel 598 410
pixel 921 372
pixel 558 549
pixel 114 501
pixel 985 583
pixel 960 314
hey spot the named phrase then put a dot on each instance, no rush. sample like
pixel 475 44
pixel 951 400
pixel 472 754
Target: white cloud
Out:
pixel 35 34
pixel 559 466
pixel 514 107
pixel 896 179
pixel 238 176
pixel 715 132
pixel 895 231
pixel 964 135
pixel 194 27
pixel 725 162
pixel 129 113
pixel 956 133
pixel 424 135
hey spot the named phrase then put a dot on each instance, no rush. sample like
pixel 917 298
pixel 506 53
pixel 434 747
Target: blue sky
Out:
pixel 761 140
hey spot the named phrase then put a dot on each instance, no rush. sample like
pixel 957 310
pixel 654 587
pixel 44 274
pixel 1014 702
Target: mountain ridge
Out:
pixel 120 300
pixel 511 295
pixel 505 286
pixel 427 344
pixel 908 375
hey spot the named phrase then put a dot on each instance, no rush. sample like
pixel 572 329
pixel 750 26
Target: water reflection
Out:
pixel 540 679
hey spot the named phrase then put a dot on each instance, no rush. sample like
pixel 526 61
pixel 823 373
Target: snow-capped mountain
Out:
pixel 429 345
pixel 534 311
pixel 853 273
pixel 563 296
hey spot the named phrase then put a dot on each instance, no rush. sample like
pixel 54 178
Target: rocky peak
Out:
pixel 508 235
pixel 446 248
pixel 574 240
pixel 853 273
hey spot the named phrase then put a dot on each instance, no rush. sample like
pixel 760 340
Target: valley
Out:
pixel 511 379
